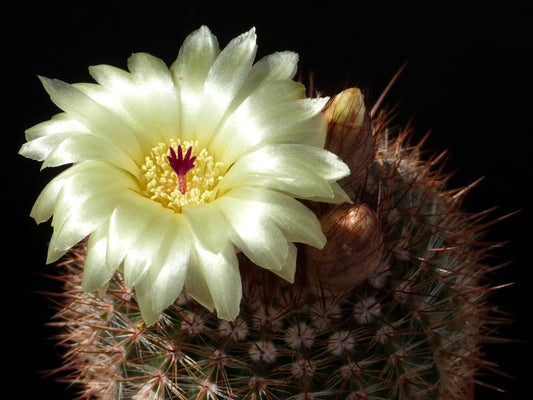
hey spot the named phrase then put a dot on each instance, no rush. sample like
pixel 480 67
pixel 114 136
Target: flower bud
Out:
pixel 350 136
pixel 353 250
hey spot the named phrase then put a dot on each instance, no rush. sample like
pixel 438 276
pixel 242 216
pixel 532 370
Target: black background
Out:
pixel 468 80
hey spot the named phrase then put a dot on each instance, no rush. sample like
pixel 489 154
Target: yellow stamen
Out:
pixel 162 182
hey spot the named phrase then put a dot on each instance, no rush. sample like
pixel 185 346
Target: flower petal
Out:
pixel 303 171
pixel 87 147
pixel 80 222
pixel 157 95
pixel 253 232
pixel 95 272
pixel 48 199
pixel 265 123
pixel 144 299
pixel 226 76
pixel 168 273
pixel 143 253
pixel 271 68
pixel 43 208
pixel 189 71
pixel 207 225
pixel 43 138
pixel 59 123
pixel 127 222
pixel 196 284
pixel 84 202
pixel 297 222
pixel 261 116
pixel 311 132
pixel 337 196
pixel 99 120
pixel 221 280
pixel 119 93
pixel 146 98
pixel 288 270
pixel 39 149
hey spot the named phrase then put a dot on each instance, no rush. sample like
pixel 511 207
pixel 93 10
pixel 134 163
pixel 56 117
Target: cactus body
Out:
pixel 407 324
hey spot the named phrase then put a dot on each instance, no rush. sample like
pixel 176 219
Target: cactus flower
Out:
pixel 173 169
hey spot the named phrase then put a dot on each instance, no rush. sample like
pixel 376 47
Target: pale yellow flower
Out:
pixel 174 169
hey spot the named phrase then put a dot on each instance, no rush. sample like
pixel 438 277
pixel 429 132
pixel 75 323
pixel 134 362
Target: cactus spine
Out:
pixel 392 308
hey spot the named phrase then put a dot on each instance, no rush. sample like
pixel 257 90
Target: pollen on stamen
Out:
pixel 174 179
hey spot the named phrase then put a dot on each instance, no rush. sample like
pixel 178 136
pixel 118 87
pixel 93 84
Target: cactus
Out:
pixel 394 307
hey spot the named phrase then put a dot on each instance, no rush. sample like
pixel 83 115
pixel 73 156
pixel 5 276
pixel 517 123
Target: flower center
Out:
pixel 175 180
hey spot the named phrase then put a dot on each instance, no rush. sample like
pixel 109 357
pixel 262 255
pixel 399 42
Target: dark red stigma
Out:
pixel 181 165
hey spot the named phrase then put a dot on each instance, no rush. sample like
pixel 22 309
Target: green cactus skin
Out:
pixel 412 330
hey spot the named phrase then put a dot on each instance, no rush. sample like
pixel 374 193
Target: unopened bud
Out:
pixel 350 136
pixel 353 250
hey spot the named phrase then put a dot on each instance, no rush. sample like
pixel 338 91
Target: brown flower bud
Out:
pixel 353 250
pixel 350 136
